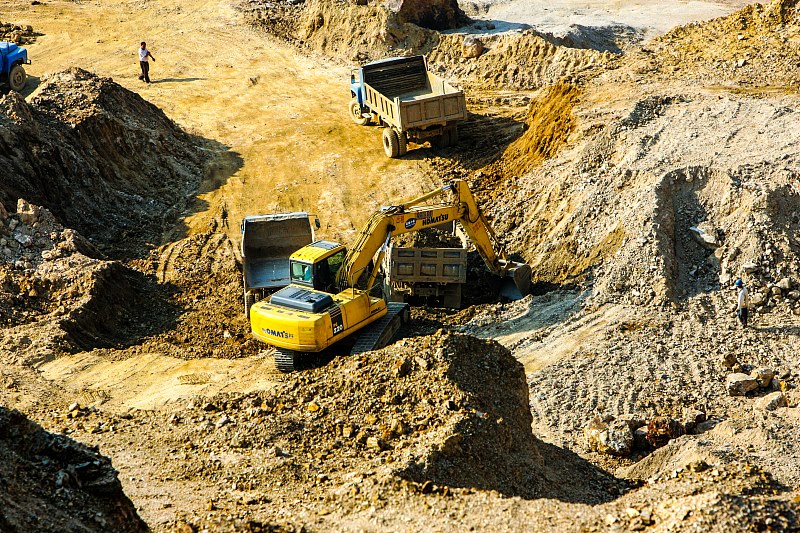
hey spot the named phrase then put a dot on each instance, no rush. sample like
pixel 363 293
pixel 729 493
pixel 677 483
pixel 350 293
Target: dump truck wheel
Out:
pixel 356 115
pixel 441 141
pixel 402 144
pixel 391 142
pixel 17 78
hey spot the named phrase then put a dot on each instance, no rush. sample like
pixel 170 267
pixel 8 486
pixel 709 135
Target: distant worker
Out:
pixel 144 53
pixel 742 302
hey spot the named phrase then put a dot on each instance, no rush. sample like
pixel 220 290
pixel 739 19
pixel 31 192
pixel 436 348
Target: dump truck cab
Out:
pixel 12 74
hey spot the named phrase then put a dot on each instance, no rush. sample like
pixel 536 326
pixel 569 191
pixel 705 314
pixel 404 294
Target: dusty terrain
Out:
pixel 617 396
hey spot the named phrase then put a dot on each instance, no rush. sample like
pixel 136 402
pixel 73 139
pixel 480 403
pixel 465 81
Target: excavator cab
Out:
pixel 315 266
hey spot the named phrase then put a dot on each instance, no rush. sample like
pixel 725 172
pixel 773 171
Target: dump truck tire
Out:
pixel 17 78
pixel 402 144
pixel 441 141
pixel 391 142
pixel 355 113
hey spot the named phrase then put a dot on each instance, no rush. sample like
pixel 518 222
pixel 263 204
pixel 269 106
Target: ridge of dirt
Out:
pixel 52 483
pixel 59 295
pixel 756 47
pixel 103 160
pixel 633 180
pixel 361 33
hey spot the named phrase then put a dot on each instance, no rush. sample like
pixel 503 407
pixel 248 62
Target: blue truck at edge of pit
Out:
pixel 12 72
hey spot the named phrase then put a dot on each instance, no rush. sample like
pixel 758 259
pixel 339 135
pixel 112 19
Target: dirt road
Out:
pixel 280 118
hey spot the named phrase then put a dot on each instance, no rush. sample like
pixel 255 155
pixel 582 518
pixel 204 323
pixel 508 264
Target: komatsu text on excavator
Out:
pixel 329 297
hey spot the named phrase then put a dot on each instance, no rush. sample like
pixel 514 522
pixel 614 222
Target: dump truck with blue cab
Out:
pixel 411 103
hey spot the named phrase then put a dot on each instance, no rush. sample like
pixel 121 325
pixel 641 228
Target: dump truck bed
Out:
pixel 267 273
pixel 407 96
pixel 425 272
pixel 267 243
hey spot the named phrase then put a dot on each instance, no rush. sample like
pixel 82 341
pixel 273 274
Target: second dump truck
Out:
pixel 434 274
pixel 411 103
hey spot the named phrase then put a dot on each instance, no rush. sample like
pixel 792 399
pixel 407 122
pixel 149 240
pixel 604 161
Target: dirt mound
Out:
pixel 99 157
pixel 514 61
pixel 16 34
pixel 754 47
pixel 550 122
pixel 52 483
pixel 649 216
pixel 355 33
pixel 59 295
pixel 204 281
pixel 447 410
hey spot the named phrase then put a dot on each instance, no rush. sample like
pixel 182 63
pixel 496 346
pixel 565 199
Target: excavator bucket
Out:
pixel 516 281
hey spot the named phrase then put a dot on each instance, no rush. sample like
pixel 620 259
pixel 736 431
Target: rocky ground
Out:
pixel 620 395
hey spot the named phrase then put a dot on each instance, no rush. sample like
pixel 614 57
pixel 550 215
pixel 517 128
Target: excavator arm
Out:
pixel 413 216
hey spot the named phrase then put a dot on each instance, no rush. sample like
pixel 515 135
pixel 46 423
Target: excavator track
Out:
pixel 380 333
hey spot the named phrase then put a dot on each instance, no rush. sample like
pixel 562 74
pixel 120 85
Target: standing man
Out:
pixel 742 302
pixel 144 53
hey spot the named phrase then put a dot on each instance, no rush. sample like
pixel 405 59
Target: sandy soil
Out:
pixel 261 100
pixel 288 145
pixel 280 114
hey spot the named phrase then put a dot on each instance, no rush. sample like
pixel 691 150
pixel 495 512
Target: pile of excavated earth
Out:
pixel 622 394
pixel 54 483
pixel 16 34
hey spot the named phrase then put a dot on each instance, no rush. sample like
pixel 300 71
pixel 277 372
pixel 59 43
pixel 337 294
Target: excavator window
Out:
pixel 325 272
pixel 301 273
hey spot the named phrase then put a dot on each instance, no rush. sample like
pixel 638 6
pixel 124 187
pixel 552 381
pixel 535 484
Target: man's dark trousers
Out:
pixel 145 71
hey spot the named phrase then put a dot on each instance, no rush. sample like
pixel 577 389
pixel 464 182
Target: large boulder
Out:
pixel 431 14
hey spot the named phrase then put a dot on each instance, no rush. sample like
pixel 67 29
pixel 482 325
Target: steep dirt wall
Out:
pixel 99 157
pixel 618 204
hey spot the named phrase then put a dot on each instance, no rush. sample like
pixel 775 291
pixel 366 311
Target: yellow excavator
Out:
pixel 329 297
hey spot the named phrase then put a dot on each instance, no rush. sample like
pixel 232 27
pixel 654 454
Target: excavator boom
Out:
pixel 414 215
pixel 309 315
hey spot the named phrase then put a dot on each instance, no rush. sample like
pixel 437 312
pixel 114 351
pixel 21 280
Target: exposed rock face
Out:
pixel 431 14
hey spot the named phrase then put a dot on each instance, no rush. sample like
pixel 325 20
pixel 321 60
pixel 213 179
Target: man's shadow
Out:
pixel 177 80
